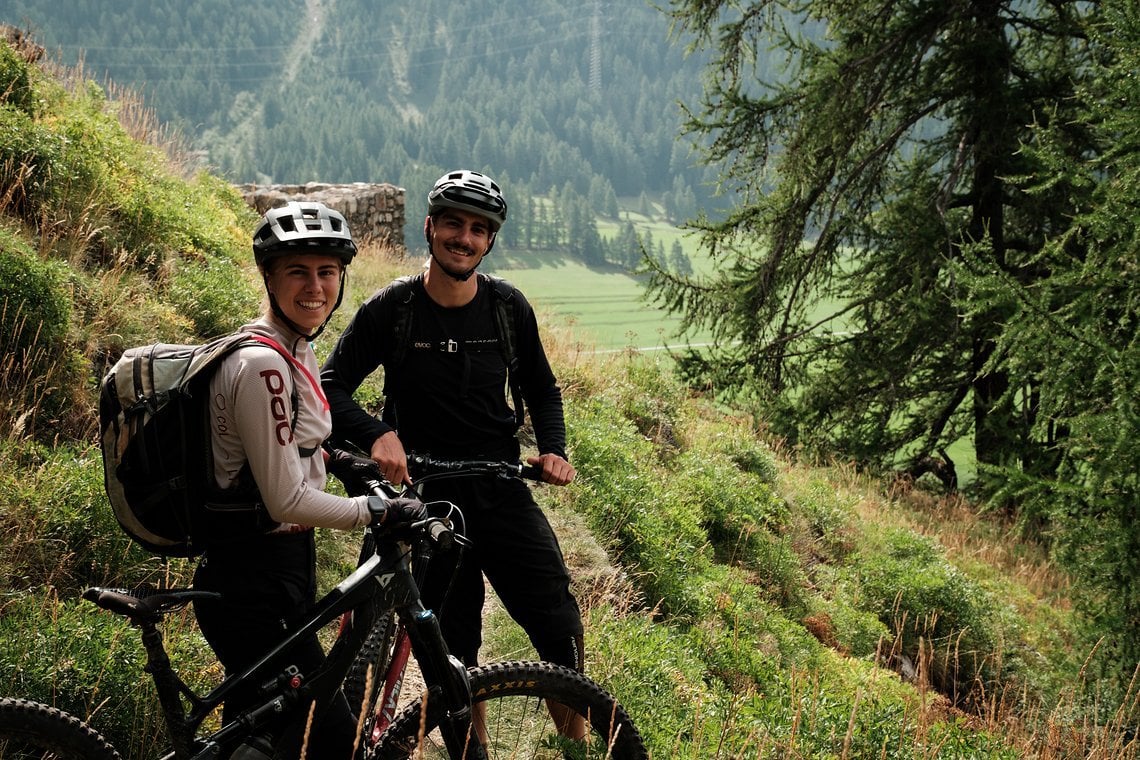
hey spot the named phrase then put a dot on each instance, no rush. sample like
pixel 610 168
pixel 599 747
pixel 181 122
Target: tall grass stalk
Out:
pixel 24 388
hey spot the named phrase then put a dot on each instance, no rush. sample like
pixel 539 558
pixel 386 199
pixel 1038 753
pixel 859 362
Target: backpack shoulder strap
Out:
pixel 265 340
pixel 506 324
pixel 403 293
pixel 505 319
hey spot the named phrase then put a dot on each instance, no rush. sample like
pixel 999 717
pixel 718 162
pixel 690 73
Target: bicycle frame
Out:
pixel 434 469
pixel 385 578
pixel 393 683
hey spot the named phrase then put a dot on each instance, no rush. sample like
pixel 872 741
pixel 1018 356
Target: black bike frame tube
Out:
pixel 446 676
pixel 376 575
pixel 170 690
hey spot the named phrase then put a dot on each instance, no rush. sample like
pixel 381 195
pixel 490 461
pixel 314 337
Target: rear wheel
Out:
pixel 513 695
pixel 31 731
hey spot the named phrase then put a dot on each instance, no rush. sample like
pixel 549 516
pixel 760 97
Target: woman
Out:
pixel 268 421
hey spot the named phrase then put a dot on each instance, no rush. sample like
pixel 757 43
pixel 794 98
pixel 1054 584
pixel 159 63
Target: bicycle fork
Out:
pixel 447 681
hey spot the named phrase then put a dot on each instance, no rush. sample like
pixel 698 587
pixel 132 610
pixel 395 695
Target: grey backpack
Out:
pixel 155 435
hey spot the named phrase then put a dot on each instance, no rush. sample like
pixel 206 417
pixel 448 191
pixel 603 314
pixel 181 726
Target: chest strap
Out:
pixel 450 346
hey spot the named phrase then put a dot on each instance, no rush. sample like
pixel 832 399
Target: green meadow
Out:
pixel 605 305
pixel 606 308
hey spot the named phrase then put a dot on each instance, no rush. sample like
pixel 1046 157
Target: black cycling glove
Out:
pixel 353 471
pixel 392 513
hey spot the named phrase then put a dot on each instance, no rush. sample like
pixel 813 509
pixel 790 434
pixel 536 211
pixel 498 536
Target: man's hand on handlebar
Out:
pixel 555 470
pixel 388 452
pixel 393 513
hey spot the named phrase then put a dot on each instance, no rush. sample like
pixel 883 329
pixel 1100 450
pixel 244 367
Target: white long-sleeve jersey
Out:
pixel 251 404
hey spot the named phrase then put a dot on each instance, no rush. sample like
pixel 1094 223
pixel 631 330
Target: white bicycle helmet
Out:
pixel 302 227
pixel 469 191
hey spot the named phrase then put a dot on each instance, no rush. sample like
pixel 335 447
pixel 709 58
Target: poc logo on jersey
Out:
pixel 278 406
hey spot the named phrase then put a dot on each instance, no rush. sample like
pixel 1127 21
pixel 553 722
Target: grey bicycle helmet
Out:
pixel 302 227
pixel 469 191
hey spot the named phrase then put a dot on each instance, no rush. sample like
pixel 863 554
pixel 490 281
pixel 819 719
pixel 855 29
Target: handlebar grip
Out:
pixel 441 534
pixel 530 472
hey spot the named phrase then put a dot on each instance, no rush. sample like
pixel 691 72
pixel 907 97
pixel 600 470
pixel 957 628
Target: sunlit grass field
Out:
pixel 608 308
pixel 606 305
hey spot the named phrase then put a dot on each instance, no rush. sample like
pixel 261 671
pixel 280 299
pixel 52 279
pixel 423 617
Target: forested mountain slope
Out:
pixel 548 95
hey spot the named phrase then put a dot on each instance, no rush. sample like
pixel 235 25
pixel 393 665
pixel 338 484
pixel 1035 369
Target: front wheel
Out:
pixel 31 731
pixel 365 676
pixel 513 695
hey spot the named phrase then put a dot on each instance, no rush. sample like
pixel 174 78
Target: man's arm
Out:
pixel 543 398
pixel 357 354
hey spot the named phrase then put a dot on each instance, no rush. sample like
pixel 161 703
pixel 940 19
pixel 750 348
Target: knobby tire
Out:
pixel 517 721
pixel 32 731
pixel 370 662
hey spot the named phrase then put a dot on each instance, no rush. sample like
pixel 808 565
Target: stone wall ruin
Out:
pixel 375 212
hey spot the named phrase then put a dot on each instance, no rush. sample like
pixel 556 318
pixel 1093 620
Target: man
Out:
pixel 440 341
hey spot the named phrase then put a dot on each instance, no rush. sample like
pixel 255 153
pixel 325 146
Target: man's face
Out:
pixel 459 239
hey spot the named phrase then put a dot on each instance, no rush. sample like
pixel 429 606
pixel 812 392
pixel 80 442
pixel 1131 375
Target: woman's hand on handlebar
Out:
pixel 388 452
pixel 356 473
pixel 555 470
pixel 393 513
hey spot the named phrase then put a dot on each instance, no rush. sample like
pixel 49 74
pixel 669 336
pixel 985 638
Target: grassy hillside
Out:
pixel 739 602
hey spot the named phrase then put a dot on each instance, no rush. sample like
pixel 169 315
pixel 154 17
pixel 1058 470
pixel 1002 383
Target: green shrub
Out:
pixel 608 454
pixel 841 624
pixel 44 377
pixel 31 161
pixel 15 81
pixel 215 295
pixel 654 672
pixel 625 503
pixel 58 528
pixel 743 519
pixel 651 400
pixel 197 232
pixel 826 517
pixel 66 654
pixel 937 615
pixel 853 714
pixel 88 662
pixel 34 306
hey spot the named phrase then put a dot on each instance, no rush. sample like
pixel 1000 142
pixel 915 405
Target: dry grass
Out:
pixel 139 121
pixel 24 388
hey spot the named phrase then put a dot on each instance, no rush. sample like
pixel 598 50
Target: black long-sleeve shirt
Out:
pixel 448 396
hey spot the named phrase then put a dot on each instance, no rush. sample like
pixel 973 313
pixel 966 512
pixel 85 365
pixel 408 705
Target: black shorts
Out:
pixel 515 547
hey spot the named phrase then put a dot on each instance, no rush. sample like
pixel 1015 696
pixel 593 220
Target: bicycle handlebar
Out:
pixel 438 530
pixel 443 467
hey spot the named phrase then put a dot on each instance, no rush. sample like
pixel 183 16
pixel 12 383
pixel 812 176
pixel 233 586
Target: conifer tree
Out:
pixel 884 154
pixel 1072 337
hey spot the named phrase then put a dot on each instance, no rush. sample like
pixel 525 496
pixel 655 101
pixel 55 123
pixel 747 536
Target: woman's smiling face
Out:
pixel 306 287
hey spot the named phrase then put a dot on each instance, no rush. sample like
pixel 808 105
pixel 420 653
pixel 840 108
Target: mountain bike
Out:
pixel 379 602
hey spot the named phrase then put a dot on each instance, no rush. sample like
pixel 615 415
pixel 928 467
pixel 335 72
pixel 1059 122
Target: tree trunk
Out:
pixel 988 56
